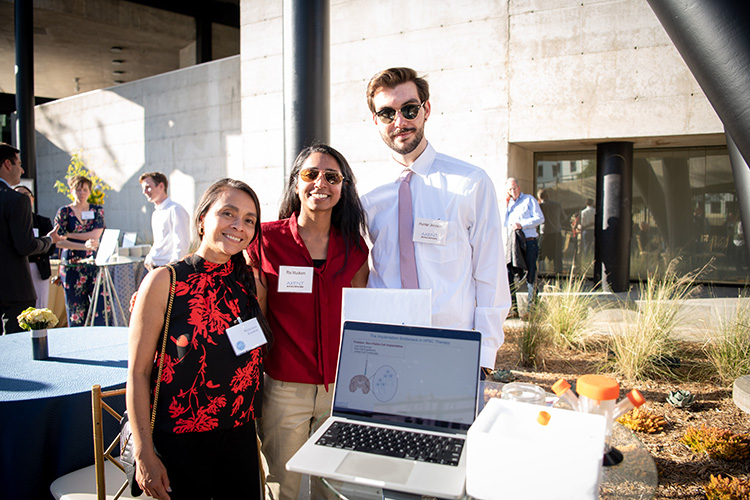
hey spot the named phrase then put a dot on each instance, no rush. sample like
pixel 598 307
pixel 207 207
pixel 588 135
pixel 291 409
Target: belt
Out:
pixel 530 239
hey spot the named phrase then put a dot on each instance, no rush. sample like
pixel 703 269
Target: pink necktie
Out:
pixel 405 229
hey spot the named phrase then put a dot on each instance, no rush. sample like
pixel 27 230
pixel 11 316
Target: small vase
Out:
pixel 39 344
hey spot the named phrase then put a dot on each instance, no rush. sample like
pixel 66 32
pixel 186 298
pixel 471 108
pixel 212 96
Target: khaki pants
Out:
pixel 291 411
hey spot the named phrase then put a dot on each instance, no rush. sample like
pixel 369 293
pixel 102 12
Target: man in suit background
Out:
pixel 41 270
pixel 17 242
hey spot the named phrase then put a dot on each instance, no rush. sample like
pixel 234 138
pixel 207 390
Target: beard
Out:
pixel 406 147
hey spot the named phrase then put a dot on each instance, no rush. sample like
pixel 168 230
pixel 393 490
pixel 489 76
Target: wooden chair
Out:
pixel 89 483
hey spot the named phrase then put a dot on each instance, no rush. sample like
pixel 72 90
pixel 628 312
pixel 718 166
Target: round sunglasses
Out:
pixel 331 176
pixel 408 111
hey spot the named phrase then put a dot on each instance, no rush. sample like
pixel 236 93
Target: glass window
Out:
pixel 684 205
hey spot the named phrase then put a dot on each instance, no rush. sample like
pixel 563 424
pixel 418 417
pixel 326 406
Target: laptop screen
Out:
pixel 405 375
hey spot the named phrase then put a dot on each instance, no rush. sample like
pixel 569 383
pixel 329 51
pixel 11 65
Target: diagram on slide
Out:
pixel 383 384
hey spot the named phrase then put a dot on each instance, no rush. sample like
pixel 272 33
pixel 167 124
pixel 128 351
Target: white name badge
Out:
pixel 295 279
pixel 246 336
pixel 35 230
pixel 430 231
pixel 87 215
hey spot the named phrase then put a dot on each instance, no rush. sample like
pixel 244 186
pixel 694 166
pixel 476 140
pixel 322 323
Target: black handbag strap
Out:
pixel 173 284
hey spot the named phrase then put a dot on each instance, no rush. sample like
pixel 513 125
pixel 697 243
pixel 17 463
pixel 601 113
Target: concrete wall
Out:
pixel 185 123
pixel 507 79
pixel 535 74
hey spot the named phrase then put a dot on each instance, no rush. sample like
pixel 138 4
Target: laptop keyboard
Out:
pixel 393 443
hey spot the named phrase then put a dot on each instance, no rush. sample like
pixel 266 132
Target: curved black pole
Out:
pixel 713 38
pixel 741 174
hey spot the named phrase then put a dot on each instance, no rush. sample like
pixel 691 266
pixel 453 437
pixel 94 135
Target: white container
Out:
pixel 511 455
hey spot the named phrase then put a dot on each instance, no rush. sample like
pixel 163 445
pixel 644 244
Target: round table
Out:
pixel 45 405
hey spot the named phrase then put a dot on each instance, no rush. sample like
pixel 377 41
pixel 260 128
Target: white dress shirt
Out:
pixel 170 224
pixel 524 210
pixel 467 274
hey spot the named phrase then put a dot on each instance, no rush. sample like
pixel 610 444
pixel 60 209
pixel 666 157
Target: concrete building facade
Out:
pixel 512 85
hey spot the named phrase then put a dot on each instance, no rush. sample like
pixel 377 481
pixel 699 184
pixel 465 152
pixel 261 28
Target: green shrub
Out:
pixel 567 312
pixel 646 346
pixel 728 349
pixel 534 339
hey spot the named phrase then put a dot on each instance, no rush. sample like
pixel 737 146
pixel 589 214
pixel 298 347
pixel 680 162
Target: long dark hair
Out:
pixel 347 216
pixel 241 272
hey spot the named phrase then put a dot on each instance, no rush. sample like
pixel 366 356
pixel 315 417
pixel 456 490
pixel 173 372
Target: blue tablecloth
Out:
pixel 45 406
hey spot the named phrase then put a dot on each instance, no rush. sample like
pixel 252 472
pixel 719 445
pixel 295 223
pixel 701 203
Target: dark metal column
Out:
pixel 25 86
pixel 614 191
pixel 741 174
pixel 307 79
pixel 203 39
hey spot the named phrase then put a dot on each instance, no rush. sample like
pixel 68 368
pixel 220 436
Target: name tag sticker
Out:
pixel 430 231
pixel 35 230
pixel 246 336
pixel 87 215
pixel 295 279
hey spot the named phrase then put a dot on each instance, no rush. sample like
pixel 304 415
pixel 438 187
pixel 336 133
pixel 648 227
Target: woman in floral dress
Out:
pixel 203 444
pixel 83 224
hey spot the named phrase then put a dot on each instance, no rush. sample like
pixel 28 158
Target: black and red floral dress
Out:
pixel 205 386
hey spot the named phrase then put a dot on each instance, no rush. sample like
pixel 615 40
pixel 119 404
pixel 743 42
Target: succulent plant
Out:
pixel 641 420
pixel 717 443
pixel 502 376
pixel 680 398
pixel 724 488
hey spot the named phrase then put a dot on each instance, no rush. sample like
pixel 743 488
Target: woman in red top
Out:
pixel 308 257
pixel 203 444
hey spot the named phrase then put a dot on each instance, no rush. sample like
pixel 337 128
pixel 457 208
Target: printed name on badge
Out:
pixel 87 215
pixel 295 279
pixel 35 230
pixel 246 336
pixel 430 231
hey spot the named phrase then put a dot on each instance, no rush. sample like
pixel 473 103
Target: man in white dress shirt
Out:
pixel 463 260
pixel 170 223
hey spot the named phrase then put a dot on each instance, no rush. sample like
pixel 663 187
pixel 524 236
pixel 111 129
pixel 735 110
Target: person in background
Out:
pixel 463 260
pixel 83 224
pixel 319 234
pixel 170 223
pixel 586 226
pixel 204 444
pixel 17 242
pixel 550 237
pixel 39 263
pixel 524 214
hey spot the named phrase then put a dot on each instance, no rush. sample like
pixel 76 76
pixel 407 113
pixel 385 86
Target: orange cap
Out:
pixel 543 418
pixel 560 387
pixel 598 387
pixel 636 398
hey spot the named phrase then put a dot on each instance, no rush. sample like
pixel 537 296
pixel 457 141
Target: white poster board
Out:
pixel 107 246
pixel 387 305
pixel 128 240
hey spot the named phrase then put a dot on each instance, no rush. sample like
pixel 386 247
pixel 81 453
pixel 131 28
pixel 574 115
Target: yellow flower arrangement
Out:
pixel 37 319
pixel 78 167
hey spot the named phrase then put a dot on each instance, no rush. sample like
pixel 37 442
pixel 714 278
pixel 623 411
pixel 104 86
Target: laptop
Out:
pixel 393 379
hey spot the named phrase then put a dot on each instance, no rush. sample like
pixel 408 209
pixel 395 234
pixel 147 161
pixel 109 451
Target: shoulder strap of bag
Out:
pixel 173 284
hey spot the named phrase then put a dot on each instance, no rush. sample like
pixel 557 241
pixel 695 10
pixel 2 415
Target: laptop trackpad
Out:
pixel 377 468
